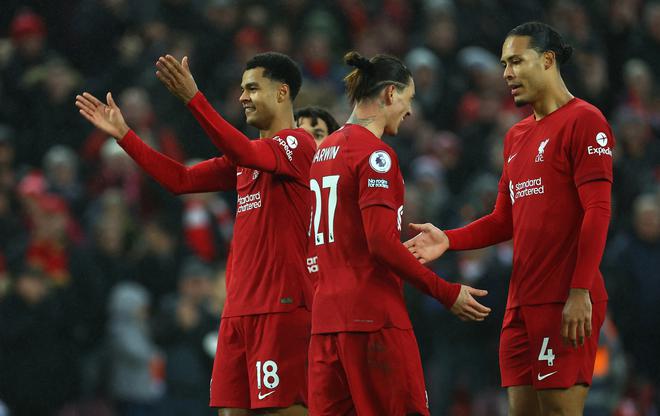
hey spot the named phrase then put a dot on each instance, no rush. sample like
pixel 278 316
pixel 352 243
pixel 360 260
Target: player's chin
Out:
pixel 520 101
pixel 392 130
pixel 253 120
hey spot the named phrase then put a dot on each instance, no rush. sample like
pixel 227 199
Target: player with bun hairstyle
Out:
pixel 554 201
pixel 363 356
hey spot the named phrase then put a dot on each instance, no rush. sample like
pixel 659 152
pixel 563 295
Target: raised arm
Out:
pixel 216 174
pixel 178 79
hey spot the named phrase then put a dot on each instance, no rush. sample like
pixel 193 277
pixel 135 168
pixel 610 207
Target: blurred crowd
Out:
pixel 111 289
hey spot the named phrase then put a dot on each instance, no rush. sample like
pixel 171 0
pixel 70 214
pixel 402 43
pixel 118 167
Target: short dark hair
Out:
pixel 370 76
pixel 278 67
pixel 316 113
pixel 544 38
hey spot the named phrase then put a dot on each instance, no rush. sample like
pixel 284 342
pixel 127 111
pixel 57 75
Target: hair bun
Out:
pixel 358 61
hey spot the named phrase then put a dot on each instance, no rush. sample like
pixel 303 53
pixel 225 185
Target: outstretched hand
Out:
pixel 429 244
pixel 176 77
pixel 105 117
pixel 466 306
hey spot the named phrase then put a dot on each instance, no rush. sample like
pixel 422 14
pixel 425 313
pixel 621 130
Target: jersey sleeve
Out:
pixel 235 145
pixel 379 180
pixel 503 185
pixel 217 174
pixel 293 150
pixel 381 227
pixel 590 148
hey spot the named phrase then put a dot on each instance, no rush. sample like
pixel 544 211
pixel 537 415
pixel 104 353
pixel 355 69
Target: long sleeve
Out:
pixel 493 228
pixel 595 199
pixel 254 154
pixel 384 244
pixel 217 174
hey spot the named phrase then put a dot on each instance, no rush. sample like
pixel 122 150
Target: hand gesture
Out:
pixel 576 317
pixel 177 77
pixel 429 244
pixel 466 306
pixel 105 117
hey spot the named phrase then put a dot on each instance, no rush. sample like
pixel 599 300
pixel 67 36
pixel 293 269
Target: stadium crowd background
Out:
pixel 111 289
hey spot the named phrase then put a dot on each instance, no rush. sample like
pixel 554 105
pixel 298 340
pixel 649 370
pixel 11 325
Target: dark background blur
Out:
pixel 111 289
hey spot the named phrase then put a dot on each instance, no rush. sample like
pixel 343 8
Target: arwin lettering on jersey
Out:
pixel 327 153
pixel 285 145
pixel 249 202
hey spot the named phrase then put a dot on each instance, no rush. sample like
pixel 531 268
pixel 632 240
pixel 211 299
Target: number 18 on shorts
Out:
pixel 267 378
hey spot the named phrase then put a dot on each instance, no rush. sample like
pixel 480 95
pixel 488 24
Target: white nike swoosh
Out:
pixel 511 158
pixel 239 172
pixel 540 377
pixel 263 396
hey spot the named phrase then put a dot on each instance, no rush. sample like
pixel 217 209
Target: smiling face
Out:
pixel 259 97
pixel 524 69
pixel 400 108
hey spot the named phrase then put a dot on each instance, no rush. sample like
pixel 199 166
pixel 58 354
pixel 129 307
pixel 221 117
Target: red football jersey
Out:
pixel 352 170
pixel 268 253
pixel 544 163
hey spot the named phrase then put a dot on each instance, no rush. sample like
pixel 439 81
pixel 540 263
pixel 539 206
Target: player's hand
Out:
pixel 576 317
pixel 429 244
pixel 466 306
pixel 105 117
pixel 177 77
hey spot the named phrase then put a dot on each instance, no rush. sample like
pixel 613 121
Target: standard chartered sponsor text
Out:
pixel 248 202
pixel 530 187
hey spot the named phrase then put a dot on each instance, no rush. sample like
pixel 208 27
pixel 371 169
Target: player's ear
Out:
pixel 549 59
pixel 283 93
pixel 389 94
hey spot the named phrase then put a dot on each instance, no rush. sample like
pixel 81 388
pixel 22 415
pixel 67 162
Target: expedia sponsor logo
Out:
pixel 249 202
pixel 599 151
pixel 285 146
pixel 292 142
pixel 601 139
pixel 527 188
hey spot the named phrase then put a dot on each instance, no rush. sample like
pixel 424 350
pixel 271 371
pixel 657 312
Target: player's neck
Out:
pixel 556 96
pixel 368 116
pixel 280 122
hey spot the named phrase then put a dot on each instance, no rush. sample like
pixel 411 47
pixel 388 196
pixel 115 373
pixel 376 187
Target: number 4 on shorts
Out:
pixel 546 353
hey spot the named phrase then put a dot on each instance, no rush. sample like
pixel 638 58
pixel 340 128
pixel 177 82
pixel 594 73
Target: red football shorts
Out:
pixel 366 373
pixel 532 351
pixel 261 361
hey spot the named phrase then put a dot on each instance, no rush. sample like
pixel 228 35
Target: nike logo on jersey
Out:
pixel 540 377
pixel 511 158
pixel 263 396
pixel 239 172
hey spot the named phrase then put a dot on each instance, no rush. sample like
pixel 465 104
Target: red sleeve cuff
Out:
pixel 195 101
